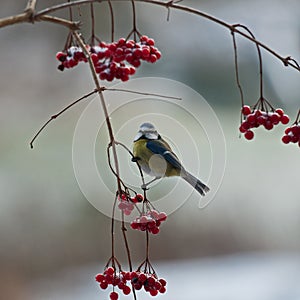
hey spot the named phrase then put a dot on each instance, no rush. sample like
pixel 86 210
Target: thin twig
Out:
pixel 57 7
pixel 70 12
pixel 134 28
pixel 58 114
pixel 93 24
pixel 30 7
pixel 141 93
pixel 70 24
pixel 259 59
pixel 112 18
pixel 113 226
pixel 124 229
pixel 237 77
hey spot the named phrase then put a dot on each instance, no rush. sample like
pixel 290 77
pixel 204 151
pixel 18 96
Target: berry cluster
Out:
pixel 113 60
pixel 70 58
pixel 138 279
pixel 126 203
pixel 150 282
pixel 256 118
pixel 292 135
pixel 149 221
pixel 111 277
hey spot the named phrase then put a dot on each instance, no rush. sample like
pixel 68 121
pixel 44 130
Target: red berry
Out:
pixel 143 220
pixel 61 67
pixel 285 119
pixel 145 52
pixel 162 216
pixel 258 113
pixel 137 53
pixel 275 118
pixel 130 44
pixel 127 276
pixel 142 277
pixel 109 271
pixel 154 214
pixel 158 54
pixel 261 120
pixel 153 292
pixel 151 224
pixel 157 285
pixel 151 281
pixel 112 47
pixel 151 42
pixel 121 41
pixel 249 135
pixel 99 277
pixel 135 62
pixel 94 58
pixel 144 38
pixel 295 130
pixel 268 125
pixel 286 139
pixel 294 139
pixel 134 225
pixel 126 290
pixel 132 70
pixel 114 296
pixel 246 110
pixel 163 281
pixel 103 285
pixel 162 289
pixel 61 56
pixel 251 118
pixel 139 197
pixel 242 129
pixel 133 275
pixel 133 200
pixel 287 130
pixel 155 230
pixel 152 58
pixel 279 111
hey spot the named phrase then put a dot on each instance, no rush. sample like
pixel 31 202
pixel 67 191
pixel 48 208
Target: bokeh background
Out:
pixel 244 245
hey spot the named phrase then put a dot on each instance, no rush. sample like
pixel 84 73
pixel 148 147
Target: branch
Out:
pixel 71 25
pixel 64 5
pixel 20 18
pixel 28 17
pixel 287 61
pixel 57 115
pixel 103 104
pixel 30 7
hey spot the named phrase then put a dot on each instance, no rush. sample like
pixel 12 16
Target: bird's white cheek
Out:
pixel 158 165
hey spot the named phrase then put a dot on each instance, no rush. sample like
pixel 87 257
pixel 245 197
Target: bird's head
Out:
pixel 147 131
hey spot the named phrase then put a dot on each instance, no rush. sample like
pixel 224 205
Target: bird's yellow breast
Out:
pixel 153 164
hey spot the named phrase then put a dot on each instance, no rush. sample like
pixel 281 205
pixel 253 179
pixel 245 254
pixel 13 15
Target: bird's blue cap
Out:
pixel 148 131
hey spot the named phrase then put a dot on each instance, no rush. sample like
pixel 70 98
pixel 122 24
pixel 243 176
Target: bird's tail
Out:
pixel 196 183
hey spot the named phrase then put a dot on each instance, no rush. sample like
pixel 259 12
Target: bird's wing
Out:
pixel 162 148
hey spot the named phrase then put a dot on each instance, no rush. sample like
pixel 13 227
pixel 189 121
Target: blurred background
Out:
pixel 244 245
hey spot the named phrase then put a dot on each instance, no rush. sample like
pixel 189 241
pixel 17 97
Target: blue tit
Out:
pixel 156 158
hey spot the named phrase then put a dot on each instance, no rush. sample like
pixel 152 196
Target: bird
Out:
pixel 156 158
